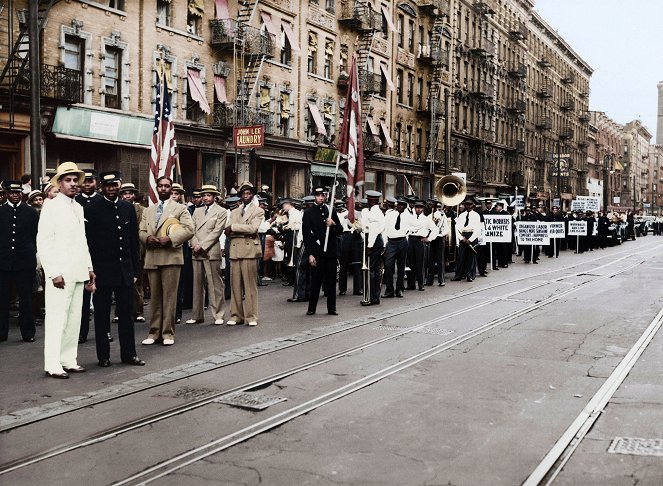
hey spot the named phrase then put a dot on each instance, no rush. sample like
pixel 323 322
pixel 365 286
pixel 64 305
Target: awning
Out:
pixel 387 77
pixel 222 11
pixel 371 126
pixel 197 8
pixel 618 165
pixel 318 119
pixel 385 131
pixel 196 90
pixel 220 89
pixel 287 29
pixel 269 25
pixel 101 126
pixel 323 170
pixel 387 15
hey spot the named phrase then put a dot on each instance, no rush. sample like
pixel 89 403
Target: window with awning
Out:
pixel 385 133
pixel 319 123
pixel 196 89
pixel 387 16
pixel 264 98
pixel 269 24
pixel 222 11
pixel 312 43
pixel 285 106
pixel 387 77
pixel 372 129
pixel 220 89
pixel 197 8
pixel 287 30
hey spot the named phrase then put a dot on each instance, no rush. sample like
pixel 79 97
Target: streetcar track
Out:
pixel 91 402
pixel 194 455
pixel 177 410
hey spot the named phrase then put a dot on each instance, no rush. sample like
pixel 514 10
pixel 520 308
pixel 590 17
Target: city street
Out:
pixel 537 374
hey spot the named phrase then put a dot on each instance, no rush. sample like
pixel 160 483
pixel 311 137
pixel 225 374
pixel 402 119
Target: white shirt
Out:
pixel 442 223
pixel 295 224
pixel 373 223
pixel 390 224
pixel 468 222
pixel 423 226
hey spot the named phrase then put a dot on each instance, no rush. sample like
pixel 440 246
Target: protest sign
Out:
pixel 577 228
pixel 532 233
pixel 497 228
pixel 556 229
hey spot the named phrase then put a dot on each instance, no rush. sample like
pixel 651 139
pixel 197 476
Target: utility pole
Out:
pixel 606 168
pixel 559 173
pixel 35 96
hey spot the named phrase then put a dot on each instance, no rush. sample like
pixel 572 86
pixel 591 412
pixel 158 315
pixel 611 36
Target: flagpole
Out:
pixel 162 76
pixel 331 199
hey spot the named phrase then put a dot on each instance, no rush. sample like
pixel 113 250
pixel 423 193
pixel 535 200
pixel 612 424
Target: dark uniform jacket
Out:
pixel 18 237
pixel 314 230
pixel 112 237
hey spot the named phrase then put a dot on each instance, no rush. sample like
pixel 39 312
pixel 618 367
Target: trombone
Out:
pixel 365 269
pixel 291 263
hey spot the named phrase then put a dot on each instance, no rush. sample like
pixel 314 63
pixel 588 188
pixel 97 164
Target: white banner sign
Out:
pixel 520 202
pixel 534 233
pixel 497 228
pixel 586 203
pixel 556 229
pixel 577 228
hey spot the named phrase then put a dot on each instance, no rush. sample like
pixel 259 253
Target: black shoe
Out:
pixel 297 300
pixel 310 312
pixel 429 284
pixel 342 292
pixel 421 287
pixel 104 363
pixel 371 302
pixel 75 369
pixel 135 361
pixel 110 337
pixel 82 339
pixel 260 284
pixel 61 376
pixel 505 266
pixel 332 313
pixel 535 263
pixel 483 274
pixel 495 268
pixel 29 339
pixel 441 284
pixel 388 296
pixel 359 292
pixel 399 293
pixel 456 279
pixel 470 279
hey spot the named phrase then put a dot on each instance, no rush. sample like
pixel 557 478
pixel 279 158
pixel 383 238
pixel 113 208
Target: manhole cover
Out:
pixel 636 447
pixel 188 393
pixel 424 330
pixel 250 400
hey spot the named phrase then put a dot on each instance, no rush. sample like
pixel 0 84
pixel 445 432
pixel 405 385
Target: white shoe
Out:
pixel 253 323
pixel 218 322
pixel 168 342
pixel 231 323
pixel 148 341
pixel 267 279
pixel 193 321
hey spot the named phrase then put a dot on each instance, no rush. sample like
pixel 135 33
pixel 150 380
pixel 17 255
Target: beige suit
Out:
pixel 63 251
pixel 206 266
pixel 244 250
pixel 163 266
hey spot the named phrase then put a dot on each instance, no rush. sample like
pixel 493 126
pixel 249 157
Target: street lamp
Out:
pixel 607 163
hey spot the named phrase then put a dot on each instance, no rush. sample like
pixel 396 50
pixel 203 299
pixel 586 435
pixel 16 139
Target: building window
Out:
pixel 286 48
pixel 329 56
pixel 328 119
pixel 284 115
pixel 410 39
pixel 408 142
pixel 74 52
pixel 410 89
pixel 312 64
pixel 401 30
pixel 164 12
pixel 330 6
pixel 112 76
pixel 193 110
pixel 419 143
pixel 397 137
pixel 343 65
pixel 399 86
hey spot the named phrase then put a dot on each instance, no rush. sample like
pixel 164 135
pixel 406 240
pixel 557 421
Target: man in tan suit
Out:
pixel 210 221
pixel 164 228
pixel 244 250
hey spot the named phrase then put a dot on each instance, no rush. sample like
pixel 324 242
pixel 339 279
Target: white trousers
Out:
pixel 62 325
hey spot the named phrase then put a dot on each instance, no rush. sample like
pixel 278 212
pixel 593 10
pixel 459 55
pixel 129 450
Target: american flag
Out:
pixel 164 146
pixel 352 139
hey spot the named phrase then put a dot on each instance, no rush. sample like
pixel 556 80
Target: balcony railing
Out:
pixel 372 143
pixel 584 117
pixel 226 116
pixel 229 33
pixel 226 33
pixel 544 123
pixel 545 90
pixel 435 55
pixel 484 7
pixel 484 47
pixel 518 30
pixel 566 133
pixel 424 106
pixel 567 104
pixel 482 89
pixel 517 69
pixel 520 146
pixel 57 82
pixel 517 106
pixel 545 62
pixel 569 78
pixel 434 7
pixel 370 83
pixel 360 16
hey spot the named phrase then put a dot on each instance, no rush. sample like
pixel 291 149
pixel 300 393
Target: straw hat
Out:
pixel 209 189
pixel 170 226
pixel 67 168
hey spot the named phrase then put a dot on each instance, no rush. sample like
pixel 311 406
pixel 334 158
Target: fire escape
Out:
pixel 250 48
pixel 58 84
pixel 362 18
pixel 439 58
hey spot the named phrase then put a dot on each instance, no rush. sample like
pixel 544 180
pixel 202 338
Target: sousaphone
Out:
pixel 451 190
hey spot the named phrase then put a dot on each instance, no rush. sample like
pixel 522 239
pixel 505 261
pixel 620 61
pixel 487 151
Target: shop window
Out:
pixel 389 185
pixel 369 180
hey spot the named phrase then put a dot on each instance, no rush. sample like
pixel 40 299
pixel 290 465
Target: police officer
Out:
pixel 112 235
pixel 18 261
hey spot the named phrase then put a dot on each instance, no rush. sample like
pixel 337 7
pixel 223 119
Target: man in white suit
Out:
pixel 210 221
pixel 65 258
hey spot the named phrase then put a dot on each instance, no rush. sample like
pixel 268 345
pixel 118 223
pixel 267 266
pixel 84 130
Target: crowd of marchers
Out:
pixel 86 246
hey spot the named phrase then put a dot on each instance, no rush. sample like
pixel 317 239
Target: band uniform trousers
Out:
pixel 374 270
pixel 243 277
pixel 436 261
pixel 139 291
pixel 350 257
pixel 62 325
pixel 207 271
pixel 163 303
pixel 394 261
pixel 125 325
pixel 415 258
pixel 23 280
pixel 85 315
pixel 323 272
pixel 302 287
pixel 467 262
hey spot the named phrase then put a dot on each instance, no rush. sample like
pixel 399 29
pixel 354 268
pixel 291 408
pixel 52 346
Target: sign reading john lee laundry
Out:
pixel 249 137
pixel 497 228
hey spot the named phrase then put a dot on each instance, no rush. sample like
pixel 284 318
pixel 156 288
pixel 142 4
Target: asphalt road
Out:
pixel 468 384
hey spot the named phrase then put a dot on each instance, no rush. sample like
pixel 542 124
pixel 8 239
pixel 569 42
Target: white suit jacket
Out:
pixel 61 242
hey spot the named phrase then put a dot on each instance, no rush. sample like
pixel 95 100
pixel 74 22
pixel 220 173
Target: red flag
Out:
pixel 164 146
pixel 352 139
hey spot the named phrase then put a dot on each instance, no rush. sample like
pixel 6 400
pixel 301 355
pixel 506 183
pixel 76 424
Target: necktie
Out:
pixel 467 220
pixel 159 211
pixel 206 209
pixel 242 211
pixel 398 221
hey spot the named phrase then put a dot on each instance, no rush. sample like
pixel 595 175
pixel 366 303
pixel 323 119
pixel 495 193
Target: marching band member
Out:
pixel 468 229
pixel 422 231
pixel 437 247
pixel 397 223
pixel 373 222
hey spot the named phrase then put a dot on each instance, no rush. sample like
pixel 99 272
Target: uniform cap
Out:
pixel 91 174
pixel 318 190
pixel 34 194
pixel 419 203
pixel 11 186
pixel 391 200
pixel 373 194
pixel 308 199
pixel 197 192
pixel 109 177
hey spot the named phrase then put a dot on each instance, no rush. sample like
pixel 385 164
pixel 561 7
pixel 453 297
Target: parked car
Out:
pixel 616 233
